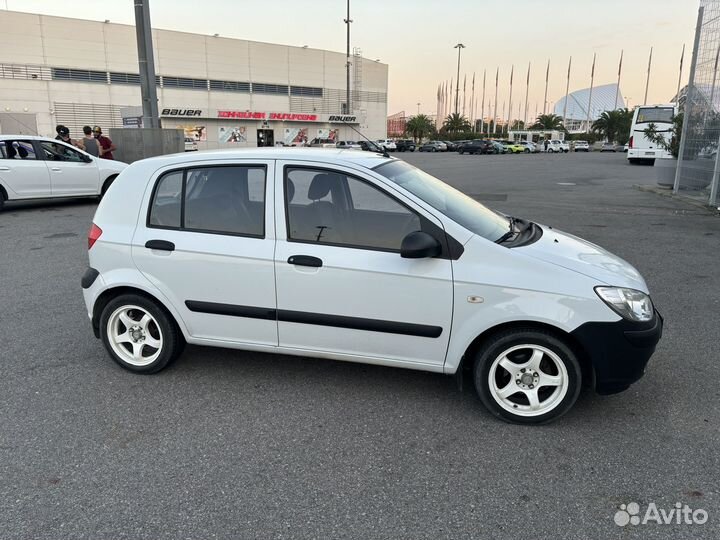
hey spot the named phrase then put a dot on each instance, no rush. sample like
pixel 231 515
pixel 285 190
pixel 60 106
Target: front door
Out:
pixel 70 171
pixel 207 244
pixel 342 286
pixel 22 171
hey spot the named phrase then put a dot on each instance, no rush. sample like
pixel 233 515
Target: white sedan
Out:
pixel 38 167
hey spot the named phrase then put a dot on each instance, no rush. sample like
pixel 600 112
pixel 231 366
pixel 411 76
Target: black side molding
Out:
pixel 232 310
pixel 319 319
pixel 162 245
pixel 89 278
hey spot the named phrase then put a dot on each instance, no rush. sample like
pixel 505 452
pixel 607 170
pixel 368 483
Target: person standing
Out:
pixel 106 144
pixel 63 134
pixel 89 143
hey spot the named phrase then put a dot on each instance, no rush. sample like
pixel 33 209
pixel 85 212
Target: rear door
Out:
pixel 21 171
pixel 71 171
pixel 207 244
pixel 342 286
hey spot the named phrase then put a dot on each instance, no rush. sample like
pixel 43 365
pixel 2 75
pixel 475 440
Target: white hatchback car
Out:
pixel 38 168
pixel 388 144
pixel 359 257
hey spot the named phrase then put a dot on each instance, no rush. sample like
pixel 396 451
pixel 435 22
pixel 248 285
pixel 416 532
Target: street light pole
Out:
pixel 418 108
pixel 348 20
pixel 459 47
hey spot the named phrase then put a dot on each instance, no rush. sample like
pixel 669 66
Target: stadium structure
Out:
pixel 603 99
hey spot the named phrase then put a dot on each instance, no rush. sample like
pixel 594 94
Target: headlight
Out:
pixel 628 303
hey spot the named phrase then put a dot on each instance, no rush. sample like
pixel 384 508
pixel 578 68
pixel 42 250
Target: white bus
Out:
pixel 639 147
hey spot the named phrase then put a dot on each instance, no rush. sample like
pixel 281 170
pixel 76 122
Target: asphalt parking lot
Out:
pixel 227 444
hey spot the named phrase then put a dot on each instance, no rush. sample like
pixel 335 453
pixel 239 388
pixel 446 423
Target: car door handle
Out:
pixel 305 260
pixel 56 169
pixel 162 245
pixel 4 168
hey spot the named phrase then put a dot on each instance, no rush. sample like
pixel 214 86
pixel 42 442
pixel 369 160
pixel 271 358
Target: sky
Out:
pixel 416 39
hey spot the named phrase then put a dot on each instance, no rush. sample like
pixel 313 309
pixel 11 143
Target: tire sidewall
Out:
pixel 167 327
pixel 502 342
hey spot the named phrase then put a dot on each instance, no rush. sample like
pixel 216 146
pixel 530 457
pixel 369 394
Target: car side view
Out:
pixel 359 257
pixel 34 167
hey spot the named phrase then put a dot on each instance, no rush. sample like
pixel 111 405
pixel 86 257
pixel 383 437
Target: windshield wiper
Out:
pixel 512 232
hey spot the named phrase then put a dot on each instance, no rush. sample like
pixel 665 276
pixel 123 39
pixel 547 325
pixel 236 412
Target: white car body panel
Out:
pixel 550 281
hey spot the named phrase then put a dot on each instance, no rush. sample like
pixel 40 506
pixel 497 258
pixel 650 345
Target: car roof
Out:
pixel 32 137
pixel 321 155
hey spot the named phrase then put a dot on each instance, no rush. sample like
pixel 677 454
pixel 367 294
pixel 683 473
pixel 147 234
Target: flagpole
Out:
pixel 592 81
pixel 494 118
pixel 682 57
pixel 647 82
pixel 547 78
pixel 617 90
pixel 567 93
pixel 482 107
pixel 527 93
pixel 472 104
pixel 464 93
pixel 509 109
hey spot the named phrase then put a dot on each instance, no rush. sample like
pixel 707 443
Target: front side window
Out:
pixel 330 207
pixel 465 211
pixel 60 152
pixel 17 150
pixel 225 200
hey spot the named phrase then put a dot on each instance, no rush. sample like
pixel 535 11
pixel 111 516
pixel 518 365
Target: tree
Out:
pixel 517 125
pixel 456 122
pixel 614 125
pixel 419 126
pixel 548 122
pixel 659 138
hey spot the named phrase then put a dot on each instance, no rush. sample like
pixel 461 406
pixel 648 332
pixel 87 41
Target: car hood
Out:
pixel 573 253
pixel 111 165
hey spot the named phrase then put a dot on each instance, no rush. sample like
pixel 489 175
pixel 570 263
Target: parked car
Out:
pixel 267 251
pixel 528 146
pixel 581 146
pixel 625 147
pixel 388 144
pixel 451 146
pixel 433 146
pixel 499 147
pixel 478 146
pixel 190 144
pixel 322 143
pixel 558 146
pixel 515 148
pixel 369 146
pixel 608 147
pixel 34 167
pixel 405 145
pixel 348 145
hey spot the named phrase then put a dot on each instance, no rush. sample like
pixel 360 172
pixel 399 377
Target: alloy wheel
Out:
pixel 134 335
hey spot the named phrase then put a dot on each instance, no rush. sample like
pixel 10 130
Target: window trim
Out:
pixel 182 227
pixel 425 224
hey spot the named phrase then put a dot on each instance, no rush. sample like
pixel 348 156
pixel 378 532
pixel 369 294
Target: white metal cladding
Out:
pixel 76 115
pixel 603 99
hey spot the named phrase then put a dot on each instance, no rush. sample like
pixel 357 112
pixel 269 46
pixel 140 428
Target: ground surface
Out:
pixel 234 445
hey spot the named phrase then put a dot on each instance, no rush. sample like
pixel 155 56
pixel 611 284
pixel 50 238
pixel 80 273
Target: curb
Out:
pixel 668 193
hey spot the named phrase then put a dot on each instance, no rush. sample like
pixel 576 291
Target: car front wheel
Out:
pixel 139 335
pixel 527 376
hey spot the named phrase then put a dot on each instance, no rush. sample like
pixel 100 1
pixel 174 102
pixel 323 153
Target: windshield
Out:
pixel 457 206
pixel 659 115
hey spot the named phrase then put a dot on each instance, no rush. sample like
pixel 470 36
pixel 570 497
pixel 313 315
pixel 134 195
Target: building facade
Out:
pixel 223 92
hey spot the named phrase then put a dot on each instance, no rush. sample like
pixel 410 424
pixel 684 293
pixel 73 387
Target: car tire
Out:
pixel 509 371
pixel 433 149
pixel 527 150
pixel 139 334
pixel 2 199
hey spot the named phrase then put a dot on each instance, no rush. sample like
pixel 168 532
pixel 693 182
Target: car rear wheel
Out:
pixel 434 149
pixel 2 200
pixel 139 334
pixel 527 376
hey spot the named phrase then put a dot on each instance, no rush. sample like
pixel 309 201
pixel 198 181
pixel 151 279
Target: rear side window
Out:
pixel 223 200
pixel 17 150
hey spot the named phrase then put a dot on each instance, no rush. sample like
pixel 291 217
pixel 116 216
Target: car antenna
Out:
pixel 384 152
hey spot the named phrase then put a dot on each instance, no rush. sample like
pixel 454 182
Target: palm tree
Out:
pixel 548 122
pixel 456 122
pixel 419 126
pixel 614 125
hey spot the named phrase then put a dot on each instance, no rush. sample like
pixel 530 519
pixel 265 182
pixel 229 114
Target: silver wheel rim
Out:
pixel 134 335
pixel 528 380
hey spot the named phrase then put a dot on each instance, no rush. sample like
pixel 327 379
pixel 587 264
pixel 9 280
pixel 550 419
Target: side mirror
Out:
pixel 419 245
pixel 86 159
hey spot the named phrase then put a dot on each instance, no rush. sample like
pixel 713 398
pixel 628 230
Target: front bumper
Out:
pixel 619 351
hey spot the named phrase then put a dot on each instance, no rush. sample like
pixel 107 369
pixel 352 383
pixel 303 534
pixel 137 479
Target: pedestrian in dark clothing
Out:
pixel 106 144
